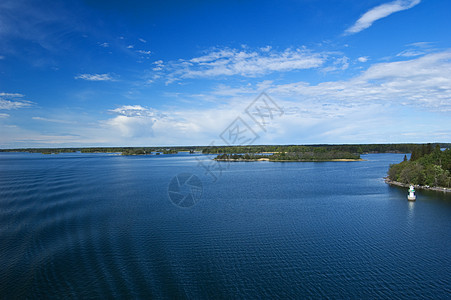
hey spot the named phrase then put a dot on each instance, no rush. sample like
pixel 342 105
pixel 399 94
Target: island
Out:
pixel 310 155
pixel 428 168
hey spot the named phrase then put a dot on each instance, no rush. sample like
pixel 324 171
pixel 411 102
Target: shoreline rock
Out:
pixel 416 186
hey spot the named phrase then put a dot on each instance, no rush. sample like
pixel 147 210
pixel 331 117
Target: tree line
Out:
pixel 354 148
pixel 123 150
pixel 292 156
pixel 427 166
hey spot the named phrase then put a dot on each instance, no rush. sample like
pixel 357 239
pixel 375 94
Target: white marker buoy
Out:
pixel 411 196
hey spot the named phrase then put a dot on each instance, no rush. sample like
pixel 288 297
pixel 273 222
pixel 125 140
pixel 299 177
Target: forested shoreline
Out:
pixel 427 166
pixel 319 155
pixel 351 148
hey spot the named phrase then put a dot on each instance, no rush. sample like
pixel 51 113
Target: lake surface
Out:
pixel 102 225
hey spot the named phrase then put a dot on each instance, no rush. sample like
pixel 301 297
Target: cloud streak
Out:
pixel 144 52
pixel 9 101
pixel 230 62
pixel 379 12
pixel 53 120
pixel 416 49
pixel 95 77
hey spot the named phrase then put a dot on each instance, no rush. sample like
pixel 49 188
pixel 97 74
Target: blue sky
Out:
pixel 145 73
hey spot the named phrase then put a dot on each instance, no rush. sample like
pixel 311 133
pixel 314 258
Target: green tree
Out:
pixel 416 154
pixel 413 174
pixel 433 174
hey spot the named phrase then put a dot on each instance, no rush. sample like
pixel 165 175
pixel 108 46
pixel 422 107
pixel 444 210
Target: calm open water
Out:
pixel 101 225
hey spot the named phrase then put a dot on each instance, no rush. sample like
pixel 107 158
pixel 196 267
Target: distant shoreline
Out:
pixel 421 187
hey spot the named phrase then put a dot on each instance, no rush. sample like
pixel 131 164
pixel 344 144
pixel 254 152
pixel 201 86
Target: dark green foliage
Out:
pixel 293 156
pixel 170 151
pixel 415 154
pixel 314 155
pixel 360 149
pixel 420 151
pixel 433 168
pixel 135 151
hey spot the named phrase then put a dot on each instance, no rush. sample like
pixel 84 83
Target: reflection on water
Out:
pixel 411 208
pixel 411 211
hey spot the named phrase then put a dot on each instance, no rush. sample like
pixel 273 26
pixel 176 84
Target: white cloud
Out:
pixel 132 127
pixel 2 57
pixel 143 52
pixel 318 114
pixel 341 63
pixel 309 119
pixel 416 49
pixel 134 120
pixel 142 125
pixel 53 120
pixel 105 45
pixel 142 40
pixel 379 12
pixel 95 77
pixel 11 95
pixel 159 65
pixel 363 59
pixel 7 104
pixel 130 47
pixel 229 62
pixel 2 115
pixel 132 110
pixel 424 82
pixel 421 44
pixel 410 53
pixel 9 101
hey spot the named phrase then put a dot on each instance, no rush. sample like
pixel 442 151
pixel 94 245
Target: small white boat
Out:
pixel 411 196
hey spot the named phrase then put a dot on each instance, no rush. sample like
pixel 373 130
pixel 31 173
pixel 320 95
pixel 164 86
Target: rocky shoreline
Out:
pixel 422 187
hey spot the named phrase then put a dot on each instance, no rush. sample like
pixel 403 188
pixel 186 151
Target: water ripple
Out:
pixel 103 227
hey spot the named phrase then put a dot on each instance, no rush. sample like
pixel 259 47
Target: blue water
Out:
pixel 102 226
